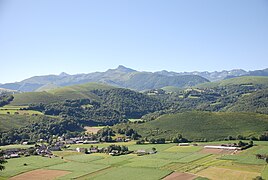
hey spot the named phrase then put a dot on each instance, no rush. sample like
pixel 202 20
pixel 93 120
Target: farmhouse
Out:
pixel 222 147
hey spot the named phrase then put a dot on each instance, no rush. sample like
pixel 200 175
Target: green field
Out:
pixel 16 166
pixel 169 158
pixel 123 173
pixel 203 125
pixel 78 169
pixel 248 157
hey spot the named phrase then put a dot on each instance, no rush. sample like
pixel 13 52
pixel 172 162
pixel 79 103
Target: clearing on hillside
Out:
pixel 92 130
pixel 43 174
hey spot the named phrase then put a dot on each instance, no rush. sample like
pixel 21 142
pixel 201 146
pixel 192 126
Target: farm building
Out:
pixel 90 142
pixel 222 147
pixel 184 144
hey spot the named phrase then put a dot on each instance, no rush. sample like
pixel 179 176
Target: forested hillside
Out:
pixel 167 111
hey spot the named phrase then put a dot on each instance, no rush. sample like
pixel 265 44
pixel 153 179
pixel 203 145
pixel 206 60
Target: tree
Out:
pixel 2 161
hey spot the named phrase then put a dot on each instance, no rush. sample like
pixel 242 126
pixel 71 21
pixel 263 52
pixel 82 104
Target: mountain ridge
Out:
pixel 128 78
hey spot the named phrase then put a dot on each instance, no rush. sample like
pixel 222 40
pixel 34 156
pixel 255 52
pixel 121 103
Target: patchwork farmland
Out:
pixel 170 162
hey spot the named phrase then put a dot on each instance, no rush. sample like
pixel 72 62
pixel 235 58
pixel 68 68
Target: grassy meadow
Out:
pixel 169 158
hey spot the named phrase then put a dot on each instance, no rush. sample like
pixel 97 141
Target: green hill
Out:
pixel 204 125
pixel 8 122
pixel 146 81
pixel 60 94
pixel 47 87
pixel 244 80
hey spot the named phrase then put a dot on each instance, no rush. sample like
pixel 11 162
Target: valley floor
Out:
pixel 190 162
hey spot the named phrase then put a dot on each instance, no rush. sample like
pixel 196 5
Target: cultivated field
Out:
pixel 43 174
pixel 170 162
pixel 93 130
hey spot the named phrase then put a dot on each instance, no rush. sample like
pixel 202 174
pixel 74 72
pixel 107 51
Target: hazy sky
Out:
pixel 80 36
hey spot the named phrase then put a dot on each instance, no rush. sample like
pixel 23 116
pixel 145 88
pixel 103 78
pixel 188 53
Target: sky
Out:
pixel 82 36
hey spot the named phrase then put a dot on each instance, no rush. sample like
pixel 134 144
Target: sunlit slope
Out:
pixel 205 125
pixel 244 80
pixel 8 122
pixel 60 94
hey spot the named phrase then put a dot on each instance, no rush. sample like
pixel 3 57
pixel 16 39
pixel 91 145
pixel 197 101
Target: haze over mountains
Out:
pixel 128 78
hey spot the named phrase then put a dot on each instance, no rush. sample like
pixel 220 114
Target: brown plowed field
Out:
pixel 43 174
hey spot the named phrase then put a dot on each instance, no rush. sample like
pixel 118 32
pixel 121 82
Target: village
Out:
pixel 44 149
pixel 60 143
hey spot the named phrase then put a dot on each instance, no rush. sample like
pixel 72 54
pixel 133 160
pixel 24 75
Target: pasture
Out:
pixel 185 161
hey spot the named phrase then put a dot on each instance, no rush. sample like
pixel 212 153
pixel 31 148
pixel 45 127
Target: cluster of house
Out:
pixel 90 150
pixel 41 150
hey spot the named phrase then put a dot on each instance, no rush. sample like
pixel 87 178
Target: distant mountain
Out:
pixel 128 78
pixel 119 77
pixel 219 75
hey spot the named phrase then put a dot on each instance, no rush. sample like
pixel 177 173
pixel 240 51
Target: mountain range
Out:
pixel 128 78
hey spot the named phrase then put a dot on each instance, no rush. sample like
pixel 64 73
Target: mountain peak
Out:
pixel 63 74
pixel 122 68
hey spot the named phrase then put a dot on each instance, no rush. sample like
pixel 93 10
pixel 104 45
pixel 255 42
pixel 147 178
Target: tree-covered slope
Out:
pixel 253 102
pixel 16 121
pixel 203 125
